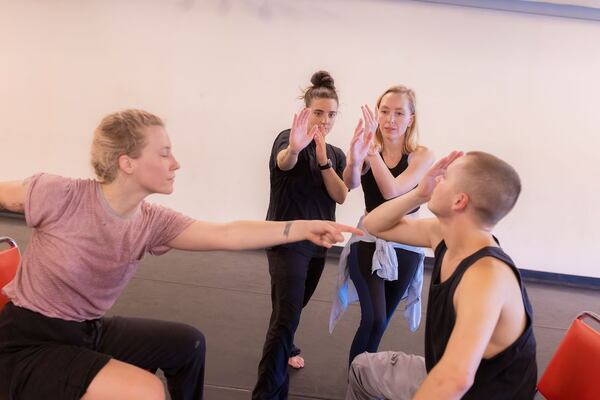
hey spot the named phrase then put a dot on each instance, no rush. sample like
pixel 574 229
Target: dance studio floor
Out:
pixel 226 295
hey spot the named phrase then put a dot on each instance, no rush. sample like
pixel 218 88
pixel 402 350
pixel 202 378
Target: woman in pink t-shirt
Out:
pixel 88 239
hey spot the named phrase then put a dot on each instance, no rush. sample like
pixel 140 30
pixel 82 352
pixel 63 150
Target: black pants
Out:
pixel 49 358
pixel 294 278
pixel 378 298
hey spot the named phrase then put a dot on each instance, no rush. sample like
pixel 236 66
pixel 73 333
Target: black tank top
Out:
pixel 373 196
pixel 512 373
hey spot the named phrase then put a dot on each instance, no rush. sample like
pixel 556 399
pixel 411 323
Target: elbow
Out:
pixel 460 382
pixel 342 197
pixel 368 225
pixel 390 193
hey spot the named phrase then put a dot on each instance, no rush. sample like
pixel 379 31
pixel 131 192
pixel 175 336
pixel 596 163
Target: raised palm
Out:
pixel 430 180
pixel 364 134
pixel 300 137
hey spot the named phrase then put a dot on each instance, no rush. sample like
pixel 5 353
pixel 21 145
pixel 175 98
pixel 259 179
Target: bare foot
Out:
pixel 296 362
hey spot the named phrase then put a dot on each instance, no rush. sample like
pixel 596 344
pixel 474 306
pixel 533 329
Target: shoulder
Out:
pixel 421 154
pixel 55 183
pixel 337 151
pixel 283 135
pixel 490 274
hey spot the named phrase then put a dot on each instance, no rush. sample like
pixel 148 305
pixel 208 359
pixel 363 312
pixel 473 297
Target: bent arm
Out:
pixel 12 195
pixel 388 222
pixel 287 159
pixel 336 188
pixel 390 186
pixel 352 174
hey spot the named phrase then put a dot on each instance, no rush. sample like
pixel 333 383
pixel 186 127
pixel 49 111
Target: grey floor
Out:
pixel 226 295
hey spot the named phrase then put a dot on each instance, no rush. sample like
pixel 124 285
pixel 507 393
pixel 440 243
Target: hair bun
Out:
pixel 322 78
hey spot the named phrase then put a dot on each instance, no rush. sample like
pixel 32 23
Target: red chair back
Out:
pixel 574 370
pixel 9 262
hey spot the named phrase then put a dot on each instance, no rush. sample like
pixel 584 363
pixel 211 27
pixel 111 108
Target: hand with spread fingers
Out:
pixel 300 137
pixel 430 180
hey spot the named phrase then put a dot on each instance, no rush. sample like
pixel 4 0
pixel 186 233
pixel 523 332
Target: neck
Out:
pixel 463 237
pixel 392 146
pixel 122 198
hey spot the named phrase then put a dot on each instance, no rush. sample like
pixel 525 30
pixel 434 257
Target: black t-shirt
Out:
pixel 510 374
pixel 300 193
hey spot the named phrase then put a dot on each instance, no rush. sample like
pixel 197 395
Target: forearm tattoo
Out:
pixel 286 230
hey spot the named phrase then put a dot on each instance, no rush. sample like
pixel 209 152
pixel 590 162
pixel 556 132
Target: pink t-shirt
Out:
pixel 82 254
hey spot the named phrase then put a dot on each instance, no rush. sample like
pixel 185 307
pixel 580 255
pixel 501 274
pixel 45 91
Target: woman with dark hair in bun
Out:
pixel 306 183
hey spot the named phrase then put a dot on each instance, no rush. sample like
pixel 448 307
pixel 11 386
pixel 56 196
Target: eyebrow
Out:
pixel 397 108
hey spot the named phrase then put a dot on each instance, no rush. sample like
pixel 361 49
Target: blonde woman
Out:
pixel 89 236
pixel 386 159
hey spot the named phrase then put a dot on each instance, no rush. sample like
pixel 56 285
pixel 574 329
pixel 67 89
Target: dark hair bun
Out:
pixel 322 78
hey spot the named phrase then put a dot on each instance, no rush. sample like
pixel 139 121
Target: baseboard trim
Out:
pixel 528 275
pixel 10 214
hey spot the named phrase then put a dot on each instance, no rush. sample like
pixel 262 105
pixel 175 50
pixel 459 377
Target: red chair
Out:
pixel 574 370
pixel 9 262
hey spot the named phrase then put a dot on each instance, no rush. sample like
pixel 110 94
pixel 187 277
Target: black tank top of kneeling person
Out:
pixel 512 373
pixel 373 196
pixel 300 193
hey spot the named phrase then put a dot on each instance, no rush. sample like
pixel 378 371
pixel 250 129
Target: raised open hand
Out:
pixel 430 180
pixel 360 144
pixel 300 137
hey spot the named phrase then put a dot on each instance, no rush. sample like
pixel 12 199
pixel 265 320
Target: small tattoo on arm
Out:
pixel 286 230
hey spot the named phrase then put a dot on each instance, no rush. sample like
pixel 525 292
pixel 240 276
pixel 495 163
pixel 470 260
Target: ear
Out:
pixel 411 120
pixel 125 164
pixel 460 202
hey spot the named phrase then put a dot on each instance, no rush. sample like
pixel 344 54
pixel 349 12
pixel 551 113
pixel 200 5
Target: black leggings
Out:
pixel 378 298
pixel 294 278
pixel 49 358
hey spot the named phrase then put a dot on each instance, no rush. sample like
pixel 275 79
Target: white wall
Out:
pixel 225 76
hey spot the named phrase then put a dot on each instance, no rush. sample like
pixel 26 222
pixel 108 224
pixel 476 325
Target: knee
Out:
pixel 192 343
pixel 357 369
pixel 197 343
pixel 152 389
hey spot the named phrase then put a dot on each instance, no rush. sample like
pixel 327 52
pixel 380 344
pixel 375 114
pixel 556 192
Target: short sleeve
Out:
pixel 166 224
pixel 46 199
pixel 281 143
pixel 340 163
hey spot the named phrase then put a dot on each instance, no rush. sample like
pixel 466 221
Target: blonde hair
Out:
pixel 411 137
pixel 119 134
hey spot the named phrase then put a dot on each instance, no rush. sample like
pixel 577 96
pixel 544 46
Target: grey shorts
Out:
pixel 389 375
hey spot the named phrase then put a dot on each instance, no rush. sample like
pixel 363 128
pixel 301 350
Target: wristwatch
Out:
pixel 326 166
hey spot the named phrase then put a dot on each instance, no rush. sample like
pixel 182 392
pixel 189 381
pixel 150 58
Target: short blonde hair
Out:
pixel 119 134
pixel 411 137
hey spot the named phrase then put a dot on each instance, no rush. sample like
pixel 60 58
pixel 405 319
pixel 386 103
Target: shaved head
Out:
pixel 492 184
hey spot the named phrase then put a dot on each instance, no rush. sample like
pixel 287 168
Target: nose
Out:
pixel 175 164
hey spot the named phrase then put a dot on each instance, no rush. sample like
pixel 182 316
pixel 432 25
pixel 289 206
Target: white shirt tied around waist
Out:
pixel 385 263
